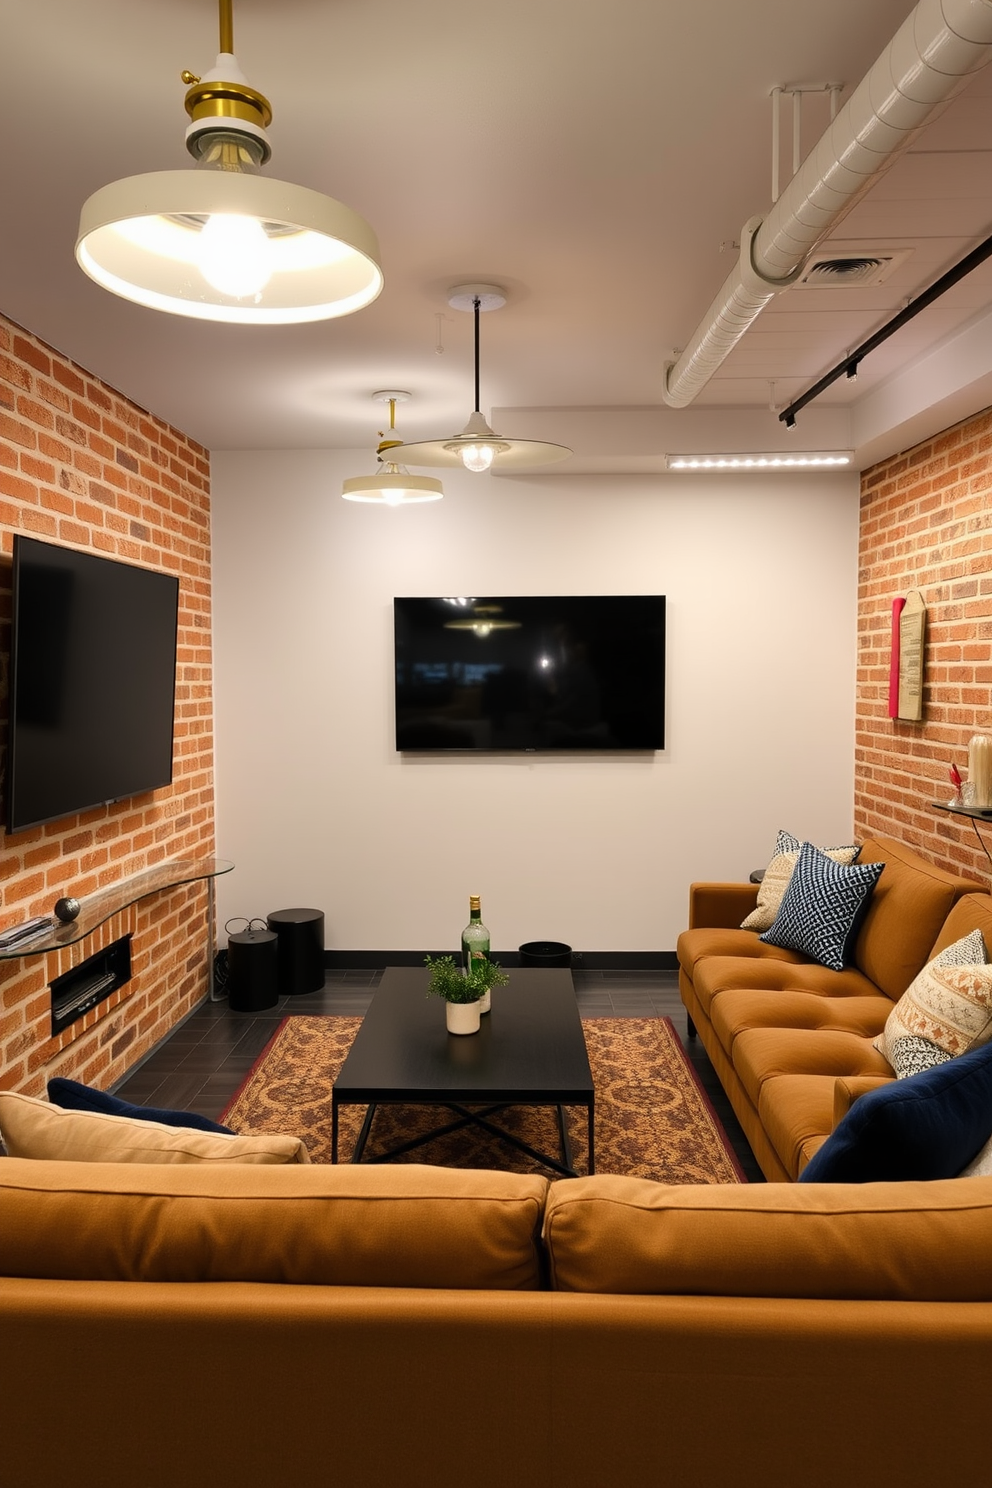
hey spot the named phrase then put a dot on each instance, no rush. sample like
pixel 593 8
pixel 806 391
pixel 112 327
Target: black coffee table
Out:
pixel 530 1051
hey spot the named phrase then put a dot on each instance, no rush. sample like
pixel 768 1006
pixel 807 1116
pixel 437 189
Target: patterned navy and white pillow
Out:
pixel 913 1054
pixel 822 908
pixel 775 879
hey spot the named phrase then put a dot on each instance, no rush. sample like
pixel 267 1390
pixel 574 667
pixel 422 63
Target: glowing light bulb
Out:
pixel 477 457
pixel 234 255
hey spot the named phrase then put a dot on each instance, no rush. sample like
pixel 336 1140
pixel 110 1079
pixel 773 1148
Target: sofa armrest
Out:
pixel 720 906
pixel 848 1089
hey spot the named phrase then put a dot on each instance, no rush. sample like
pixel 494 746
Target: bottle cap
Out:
pixel 474 901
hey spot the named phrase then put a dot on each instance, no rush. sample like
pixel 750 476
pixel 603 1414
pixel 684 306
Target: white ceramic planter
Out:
pixel 485 1001
pixel 462 1017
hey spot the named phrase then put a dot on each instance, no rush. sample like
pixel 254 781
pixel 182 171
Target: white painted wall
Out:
pixel 316 807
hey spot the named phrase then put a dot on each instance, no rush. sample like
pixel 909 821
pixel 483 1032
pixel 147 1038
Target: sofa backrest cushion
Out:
pixel 971 912
pixel 905 914
pixel 35 1128
pixel 402 1226
pixel 905 1241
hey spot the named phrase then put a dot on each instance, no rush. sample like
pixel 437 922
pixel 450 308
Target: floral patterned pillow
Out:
pixel 946 1010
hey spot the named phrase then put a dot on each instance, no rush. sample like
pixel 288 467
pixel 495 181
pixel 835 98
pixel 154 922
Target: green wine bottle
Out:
pixel 475 944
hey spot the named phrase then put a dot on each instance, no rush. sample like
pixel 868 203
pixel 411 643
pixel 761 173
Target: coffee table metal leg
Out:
pixel 566 1145
pixel 334 1128
pixel 363 1135
pixel 592 1154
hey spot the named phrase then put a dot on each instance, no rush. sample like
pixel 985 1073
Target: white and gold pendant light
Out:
pixel 222 242
pixel 478 447
pixel 392 485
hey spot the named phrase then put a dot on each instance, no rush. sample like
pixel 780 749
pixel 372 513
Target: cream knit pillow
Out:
pixel 777 876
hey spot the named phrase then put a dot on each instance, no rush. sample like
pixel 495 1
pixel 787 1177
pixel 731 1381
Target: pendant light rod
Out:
pixel 392 485
pixel 477 305
pixel 478 446
pixel 227 26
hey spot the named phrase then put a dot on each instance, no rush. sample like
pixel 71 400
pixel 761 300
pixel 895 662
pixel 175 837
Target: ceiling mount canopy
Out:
pixel 478 447
pixel 221 241
pixel 392 485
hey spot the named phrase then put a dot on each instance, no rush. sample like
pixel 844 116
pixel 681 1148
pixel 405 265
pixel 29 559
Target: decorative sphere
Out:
pixel 66 910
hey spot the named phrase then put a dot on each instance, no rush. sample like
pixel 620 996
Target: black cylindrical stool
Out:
pixel 252 970
pixel 301 949
pixel 546 953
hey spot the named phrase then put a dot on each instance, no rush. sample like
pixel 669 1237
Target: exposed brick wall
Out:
pixel 926 524
pixel 82 466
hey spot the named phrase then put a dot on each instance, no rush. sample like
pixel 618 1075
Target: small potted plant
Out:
pixel 462 993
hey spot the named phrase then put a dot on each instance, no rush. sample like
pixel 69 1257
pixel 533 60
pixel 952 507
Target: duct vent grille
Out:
pixel 845 269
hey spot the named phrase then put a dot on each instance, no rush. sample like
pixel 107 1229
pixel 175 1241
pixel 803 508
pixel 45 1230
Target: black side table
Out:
pixel 252 969
pixel 301 949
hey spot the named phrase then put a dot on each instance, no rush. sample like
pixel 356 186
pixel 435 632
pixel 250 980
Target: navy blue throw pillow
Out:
pixel 929 1125
pixel 822 907
pixel 72 1096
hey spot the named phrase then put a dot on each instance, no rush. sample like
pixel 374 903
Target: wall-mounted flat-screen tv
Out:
pixel 93 682
pixel 556 673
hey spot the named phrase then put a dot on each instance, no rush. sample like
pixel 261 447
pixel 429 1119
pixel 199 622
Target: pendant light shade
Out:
pixel 221 241
pixel 392 485
pixel 478 447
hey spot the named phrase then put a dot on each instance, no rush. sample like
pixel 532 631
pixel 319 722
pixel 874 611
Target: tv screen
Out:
pixel 558 673
pixel 93 682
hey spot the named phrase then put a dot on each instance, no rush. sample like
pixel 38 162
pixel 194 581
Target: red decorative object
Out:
pixel 897 608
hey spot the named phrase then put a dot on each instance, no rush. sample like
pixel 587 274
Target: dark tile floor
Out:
pixel 204 1061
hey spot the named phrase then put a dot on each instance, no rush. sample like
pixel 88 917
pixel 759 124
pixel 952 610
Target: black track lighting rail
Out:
pixel 849 366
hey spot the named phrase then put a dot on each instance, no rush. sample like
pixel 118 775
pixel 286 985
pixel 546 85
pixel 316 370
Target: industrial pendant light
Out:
pixel 477 447
pixel 222 242
pixel 392 485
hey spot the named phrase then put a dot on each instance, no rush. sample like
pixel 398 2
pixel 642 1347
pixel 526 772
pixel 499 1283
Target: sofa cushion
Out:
pixel 352 1226
pixel 946 1010
pixel 695 946
pixel 738 1009
pixel 719 974
pixel 822 907
pixel 36 1129
pixel 778 874
pixel 929 1126
pixel 796 1114
pixel 72 1096
pixel 761 1054
pixel 905 915
pixel 970 912
pixel 916 1242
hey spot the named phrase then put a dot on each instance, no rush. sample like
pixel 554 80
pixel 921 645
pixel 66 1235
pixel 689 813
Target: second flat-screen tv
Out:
pixel 93 682
pixel 554 673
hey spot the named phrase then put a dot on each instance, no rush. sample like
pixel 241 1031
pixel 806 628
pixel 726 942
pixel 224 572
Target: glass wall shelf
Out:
pixel 96 908
pixel 977 813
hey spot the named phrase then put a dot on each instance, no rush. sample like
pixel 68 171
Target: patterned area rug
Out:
pixel 653 1119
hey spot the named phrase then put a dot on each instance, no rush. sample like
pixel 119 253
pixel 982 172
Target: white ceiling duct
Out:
pixel 931 57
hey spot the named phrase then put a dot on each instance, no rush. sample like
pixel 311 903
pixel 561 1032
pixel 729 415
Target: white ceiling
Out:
pixel 596 157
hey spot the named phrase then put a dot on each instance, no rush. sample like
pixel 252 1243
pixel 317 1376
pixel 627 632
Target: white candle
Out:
pixel 980 769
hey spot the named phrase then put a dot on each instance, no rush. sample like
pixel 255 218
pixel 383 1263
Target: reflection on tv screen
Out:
pixel 548 673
